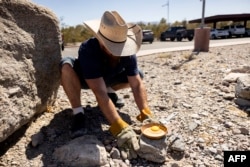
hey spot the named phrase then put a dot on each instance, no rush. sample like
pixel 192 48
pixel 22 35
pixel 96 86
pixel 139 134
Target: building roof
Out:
pixel 229 17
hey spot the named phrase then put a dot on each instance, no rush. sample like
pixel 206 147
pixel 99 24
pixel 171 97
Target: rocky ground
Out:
pixel 186 83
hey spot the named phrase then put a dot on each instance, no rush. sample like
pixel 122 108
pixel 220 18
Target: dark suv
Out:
pixel 178 33
pixel 148 36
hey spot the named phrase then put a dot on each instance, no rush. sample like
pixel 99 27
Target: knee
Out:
pixel 67 71
pixel 66 68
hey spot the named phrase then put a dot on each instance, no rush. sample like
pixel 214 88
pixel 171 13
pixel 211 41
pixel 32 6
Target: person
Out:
pixel 106 63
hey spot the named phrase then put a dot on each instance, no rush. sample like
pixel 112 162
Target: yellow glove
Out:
pixel 117 127
pixel 127 140
pixel 145 114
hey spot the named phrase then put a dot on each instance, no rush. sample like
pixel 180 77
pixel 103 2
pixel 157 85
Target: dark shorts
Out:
pixel 117 79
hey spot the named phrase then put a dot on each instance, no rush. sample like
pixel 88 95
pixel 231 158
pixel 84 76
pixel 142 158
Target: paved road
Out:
pixel 158 46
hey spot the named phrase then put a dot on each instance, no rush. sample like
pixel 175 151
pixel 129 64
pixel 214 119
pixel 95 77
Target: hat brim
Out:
pixel 127 48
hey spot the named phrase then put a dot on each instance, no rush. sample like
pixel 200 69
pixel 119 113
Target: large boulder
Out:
pixel 83 151
pixel 242 87
pixel 29 55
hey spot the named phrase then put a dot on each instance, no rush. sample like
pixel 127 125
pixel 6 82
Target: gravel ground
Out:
pixel 189 84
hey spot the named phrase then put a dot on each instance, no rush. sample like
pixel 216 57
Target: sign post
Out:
pixel 167 4
pixel 202 34
pixel 203 13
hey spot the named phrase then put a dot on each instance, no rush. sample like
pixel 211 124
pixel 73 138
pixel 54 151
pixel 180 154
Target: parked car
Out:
pixel 148 36
pixel 247 33
pixel 177 33
pixel 235 30
pixel 218 33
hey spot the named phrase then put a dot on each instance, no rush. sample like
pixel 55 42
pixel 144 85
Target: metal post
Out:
pixel 167 4
pixel 168 14
pixel 203 13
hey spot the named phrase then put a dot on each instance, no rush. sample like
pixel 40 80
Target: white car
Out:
pixel 218 33
pixel 235 30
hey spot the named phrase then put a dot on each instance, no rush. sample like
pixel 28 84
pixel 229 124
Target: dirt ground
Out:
pixel 184 82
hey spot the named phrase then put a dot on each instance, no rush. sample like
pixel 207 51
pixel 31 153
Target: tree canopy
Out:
pixel 80 33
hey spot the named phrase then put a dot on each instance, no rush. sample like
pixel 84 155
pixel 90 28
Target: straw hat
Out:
pixel 117 36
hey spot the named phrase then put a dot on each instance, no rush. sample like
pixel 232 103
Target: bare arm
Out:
pixel 139 91
pixel 99 89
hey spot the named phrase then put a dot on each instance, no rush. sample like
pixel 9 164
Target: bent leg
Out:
pixel 118 82
pixel 121 81
pixel 71 85
pixel 120 86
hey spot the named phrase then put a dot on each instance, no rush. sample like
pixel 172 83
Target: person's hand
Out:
pixel 146 116
pixel 127 141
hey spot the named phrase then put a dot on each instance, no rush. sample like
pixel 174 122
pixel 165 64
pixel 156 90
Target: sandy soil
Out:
pixel 184 82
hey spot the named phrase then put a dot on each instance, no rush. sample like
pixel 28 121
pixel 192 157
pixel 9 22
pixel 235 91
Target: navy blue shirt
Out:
pixel 94 62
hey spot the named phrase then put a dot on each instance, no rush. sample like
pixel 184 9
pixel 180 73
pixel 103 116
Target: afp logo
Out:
pixel 236 158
